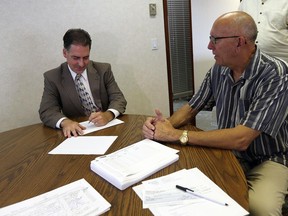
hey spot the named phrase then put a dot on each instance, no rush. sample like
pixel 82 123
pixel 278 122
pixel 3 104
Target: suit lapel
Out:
pixel 69 87
pixel 94 82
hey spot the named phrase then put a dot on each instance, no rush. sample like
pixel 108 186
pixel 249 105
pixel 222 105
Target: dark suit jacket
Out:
pixel 61 99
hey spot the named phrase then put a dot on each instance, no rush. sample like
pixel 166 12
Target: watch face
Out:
pixel 184 139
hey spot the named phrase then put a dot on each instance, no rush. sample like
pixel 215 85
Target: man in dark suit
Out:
pixel 61 101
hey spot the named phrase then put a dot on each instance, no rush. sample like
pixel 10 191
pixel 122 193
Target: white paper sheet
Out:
pixel 84 145
pixel 90 127
pixel 164 199
pixel 75 199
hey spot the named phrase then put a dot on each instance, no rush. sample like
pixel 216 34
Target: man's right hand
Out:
pixel 149 125
pixel 71 128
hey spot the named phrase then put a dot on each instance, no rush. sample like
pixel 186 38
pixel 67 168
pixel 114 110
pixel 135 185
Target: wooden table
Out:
pixel 26 169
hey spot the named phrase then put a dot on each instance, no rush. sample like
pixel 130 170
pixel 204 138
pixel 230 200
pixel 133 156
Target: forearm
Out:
pixel 238 138
pixel 183 116
pixel 50 109
pixel 50 117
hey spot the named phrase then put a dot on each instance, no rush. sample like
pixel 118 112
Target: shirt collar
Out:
pixel 251 68
pixel 73 74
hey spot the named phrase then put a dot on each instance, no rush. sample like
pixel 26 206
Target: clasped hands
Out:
pixel 73 128
pixel 159 128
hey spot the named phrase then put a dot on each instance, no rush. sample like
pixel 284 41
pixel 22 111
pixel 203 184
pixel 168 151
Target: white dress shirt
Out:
pixel 271 17
pixel 84 80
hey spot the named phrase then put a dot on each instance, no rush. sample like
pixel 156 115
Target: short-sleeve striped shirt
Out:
pixel 258 100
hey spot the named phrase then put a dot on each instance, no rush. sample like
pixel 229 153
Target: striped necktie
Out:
pixel 84 96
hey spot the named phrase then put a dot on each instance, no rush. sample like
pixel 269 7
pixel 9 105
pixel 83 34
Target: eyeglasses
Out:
pixel 214 39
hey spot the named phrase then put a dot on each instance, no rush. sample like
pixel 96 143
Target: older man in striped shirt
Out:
pixel 250 92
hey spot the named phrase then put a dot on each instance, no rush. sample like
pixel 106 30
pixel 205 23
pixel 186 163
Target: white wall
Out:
pixel 121 30
pixel 204 13
pixel 31 43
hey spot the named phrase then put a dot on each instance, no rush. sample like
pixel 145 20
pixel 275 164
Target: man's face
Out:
pixel 224 48
pixel 77 57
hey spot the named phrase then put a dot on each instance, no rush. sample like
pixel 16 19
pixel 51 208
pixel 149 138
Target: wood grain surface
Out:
pixel 27 170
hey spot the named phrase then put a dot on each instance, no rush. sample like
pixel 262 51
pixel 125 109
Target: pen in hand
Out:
pixel 199 195
pixel 95 110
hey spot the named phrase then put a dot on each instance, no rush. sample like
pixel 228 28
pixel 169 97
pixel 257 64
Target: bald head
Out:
pixel 237 23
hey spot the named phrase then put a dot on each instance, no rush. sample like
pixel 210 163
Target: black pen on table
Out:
pixel 200 195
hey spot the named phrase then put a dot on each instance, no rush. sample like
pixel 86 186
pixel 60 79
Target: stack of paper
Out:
pixel 132 164
pixel 162 197
pixel 78 198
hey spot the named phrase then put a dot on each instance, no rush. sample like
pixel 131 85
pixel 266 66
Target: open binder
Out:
pixel 134 163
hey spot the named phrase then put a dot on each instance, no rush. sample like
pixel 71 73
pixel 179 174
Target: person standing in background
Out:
pixel 271 18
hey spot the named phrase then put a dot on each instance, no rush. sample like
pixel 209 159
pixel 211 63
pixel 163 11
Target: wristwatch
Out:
pixel 184 138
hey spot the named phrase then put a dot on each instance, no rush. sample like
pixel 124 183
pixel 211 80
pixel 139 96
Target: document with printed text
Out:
pixel 78 198
pixel 162 197
pixel 133 163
